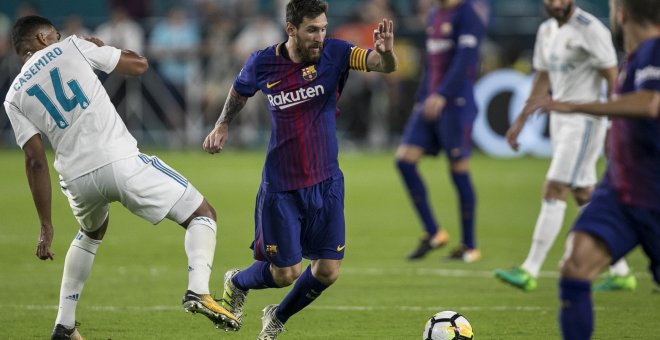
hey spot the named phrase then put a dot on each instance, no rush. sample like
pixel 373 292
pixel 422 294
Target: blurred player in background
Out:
pixel 98 162
pixel 625 208
pixel 442 120
pixel 573 53
pixel 300 205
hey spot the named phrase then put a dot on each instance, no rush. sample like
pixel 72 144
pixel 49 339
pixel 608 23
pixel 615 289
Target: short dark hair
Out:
pixel 297 10
pixel 25 28
pixel 643 11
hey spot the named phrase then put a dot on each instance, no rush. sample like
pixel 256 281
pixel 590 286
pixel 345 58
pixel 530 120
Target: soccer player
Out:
pixel 442 120
pixel 625 208
pixel 573 53
pixel 98 162
pixel 300 204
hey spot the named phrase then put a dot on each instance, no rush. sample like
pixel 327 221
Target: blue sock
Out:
pixel 576 314
pixel 467 201
pixel 417 191
pixel 306 290
pixel 256 276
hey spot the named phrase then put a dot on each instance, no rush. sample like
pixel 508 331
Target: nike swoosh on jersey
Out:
pixel 269 85
pixel 340 248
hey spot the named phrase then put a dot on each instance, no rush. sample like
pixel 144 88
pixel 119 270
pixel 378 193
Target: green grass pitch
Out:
pixel 139 275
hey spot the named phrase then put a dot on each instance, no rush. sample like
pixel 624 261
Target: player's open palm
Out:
pixel 384 36
pixel 216 140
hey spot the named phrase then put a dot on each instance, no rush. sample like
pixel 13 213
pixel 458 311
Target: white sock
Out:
pixel 200 248
pixel 546 230
pixel 620 268
pixel 77 265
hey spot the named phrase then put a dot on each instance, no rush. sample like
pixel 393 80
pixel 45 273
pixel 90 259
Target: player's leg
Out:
pixel 91 212
pixel 419 138
pixel 584 259
pixel 324 242
pixel 460 174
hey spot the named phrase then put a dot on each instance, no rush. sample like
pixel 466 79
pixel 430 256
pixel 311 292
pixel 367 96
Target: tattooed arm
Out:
pixel 217 138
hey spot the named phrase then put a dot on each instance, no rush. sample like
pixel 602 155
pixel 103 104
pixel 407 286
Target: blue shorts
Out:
pixel 622 227
pixel 452 132
pixel 300 223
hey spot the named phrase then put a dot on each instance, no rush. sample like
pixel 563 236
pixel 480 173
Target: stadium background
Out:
pixel 139 274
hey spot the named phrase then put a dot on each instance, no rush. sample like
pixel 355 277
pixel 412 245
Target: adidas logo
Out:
pixel 73 297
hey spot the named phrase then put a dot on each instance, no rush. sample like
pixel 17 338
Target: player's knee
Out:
pixel 555 190
pixel 582 196
pixel 326 276
pixel 286 276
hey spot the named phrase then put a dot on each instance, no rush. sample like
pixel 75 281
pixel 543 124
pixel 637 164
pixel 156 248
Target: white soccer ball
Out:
pixel 448 325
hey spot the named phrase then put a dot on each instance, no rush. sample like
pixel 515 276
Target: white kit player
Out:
pixel 573 54
pixel 57 95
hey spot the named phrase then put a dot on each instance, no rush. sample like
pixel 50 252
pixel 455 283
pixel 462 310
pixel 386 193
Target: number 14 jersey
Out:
pixel 58 95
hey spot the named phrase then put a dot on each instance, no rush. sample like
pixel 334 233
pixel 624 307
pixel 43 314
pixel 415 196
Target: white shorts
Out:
pixel 143 184
pixel 577 142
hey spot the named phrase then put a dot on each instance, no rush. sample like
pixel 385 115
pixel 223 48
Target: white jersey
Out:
pixel 57 94
pixel 572 55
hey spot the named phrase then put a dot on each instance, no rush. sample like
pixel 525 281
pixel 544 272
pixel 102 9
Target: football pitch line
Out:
pixel 468 273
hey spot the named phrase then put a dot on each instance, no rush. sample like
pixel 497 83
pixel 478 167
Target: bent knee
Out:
pixel 326 276
pixel 285 277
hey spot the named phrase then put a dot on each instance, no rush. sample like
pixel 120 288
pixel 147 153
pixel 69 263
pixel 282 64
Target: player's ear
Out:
pixel 290 29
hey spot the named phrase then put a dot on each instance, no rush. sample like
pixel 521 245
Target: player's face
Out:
pixel 559 9
pixel 309 38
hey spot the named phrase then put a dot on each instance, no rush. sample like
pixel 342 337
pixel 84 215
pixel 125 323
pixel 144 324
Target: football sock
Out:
pixel 575 312
pixel 620 268
pixel 467 201
pixel 200 249
pixel 256 276
pixel 305 290
pixel 417 191
pixel 546 230
pixel 77 265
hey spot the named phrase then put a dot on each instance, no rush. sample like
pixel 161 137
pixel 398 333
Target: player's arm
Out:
pixel 38 175
pixel 217 138
pixel 130 63
pixel 609 74
pixel 384 60
pixel 540 89
pixel 640 104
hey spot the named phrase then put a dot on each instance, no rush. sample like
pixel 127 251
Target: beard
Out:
pixel 617 37
pixel 306 53
pixel 561 14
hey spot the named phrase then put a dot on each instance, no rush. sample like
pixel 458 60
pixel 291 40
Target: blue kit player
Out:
pixel 442 120
pixel 300 204
pixel 625 208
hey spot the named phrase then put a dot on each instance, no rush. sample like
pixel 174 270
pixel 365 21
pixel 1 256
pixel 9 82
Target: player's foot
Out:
pixel 615 282
pixel 272 327
pixel 209 307
pixel 62 333
pixel 517 277
pixel 233 298
pixel 428 243
pixel 467 255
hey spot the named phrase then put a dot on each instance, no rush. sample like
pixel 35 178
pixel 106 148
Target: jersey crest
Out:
pixel 309 73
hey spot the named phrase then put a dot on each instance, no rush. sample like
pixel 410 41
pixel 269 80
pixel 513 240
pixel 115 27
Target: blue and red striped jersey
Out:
pixel 634 153
pixel 302 99
pixel 453 37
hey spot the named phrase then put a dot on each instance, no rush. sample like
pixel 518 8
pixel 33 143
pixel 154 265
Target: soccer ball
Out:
pixel 448 325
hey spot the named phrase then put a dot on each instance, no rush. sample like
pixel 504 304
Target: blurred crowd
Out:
pixel 197 47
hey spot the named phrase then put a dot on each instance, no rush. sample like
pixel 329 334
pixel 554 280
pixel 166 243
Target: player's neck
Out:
pixel 292 51
pixel 448 4
pixel 637 34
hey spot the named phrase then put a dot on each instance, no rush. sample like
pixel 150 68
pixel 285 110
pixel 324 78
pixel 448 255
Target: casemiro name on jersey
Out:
pixel 285 100
pixel 36 67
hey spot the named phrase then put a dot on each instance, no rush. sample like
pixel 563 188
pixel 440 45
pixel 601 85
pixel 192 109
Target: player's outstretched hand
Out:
pixel 216 140
pixel 546 104
pixel 384 36
pixel 45 241
pixel 98 42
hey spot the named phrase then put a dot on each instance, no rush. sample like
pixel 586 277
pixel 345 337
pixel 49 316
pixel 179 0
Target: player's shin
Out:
pixel 304 292
pixel 77 265
pixel 200 248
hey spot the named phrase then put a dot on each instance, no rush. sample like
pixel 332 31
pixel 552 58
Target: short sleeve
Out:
pixel 246 81
pixel 538 61
pixel 599 45
pixel 349 55
pixel 23 127
pixel 647 75
pixel 104 58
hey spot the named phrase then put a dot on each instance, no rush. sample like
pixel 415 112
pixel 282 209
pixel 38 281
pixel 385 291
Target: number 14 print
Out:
pixel 67 104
